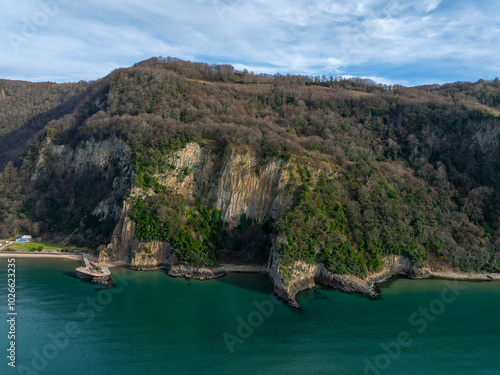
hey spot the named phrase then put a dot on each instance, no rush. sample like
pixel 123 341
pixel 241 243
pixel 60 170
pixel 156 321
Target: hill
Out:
pixel 172 162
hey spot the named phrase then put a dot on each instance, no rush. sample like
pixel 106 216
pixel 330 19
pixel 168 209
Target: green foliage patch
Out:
pixel 194 234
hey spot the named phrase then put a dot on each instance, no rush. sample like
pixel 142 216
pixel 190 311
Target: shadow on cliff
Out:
pixel 14 144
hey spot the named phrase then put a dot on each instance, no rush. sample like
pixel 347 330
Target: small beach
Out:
pixel 72 256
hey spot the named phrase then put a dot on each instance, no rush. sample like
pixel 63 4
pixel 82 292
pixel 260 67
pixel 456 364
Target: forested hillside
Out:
pixel 371 169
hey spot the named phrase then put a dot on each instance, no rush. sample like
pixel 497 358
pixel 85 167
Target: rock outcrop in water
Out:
pixel 302 276
pixel 199 273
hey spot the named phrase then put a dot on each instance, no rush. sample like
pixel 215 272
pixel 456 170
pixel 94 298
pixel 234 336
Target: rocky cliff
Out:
pixel 246 188
pixel 80 188
pixel 168 164
pixel 292 279
pixel 234 183
pixel 125 246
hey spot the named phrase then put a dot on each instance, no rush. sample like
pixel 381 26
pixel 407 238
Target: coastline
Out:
pixel 223 268
pixel 22 254
pixel 243 268
pixel 317 275
pixel 464 276
pixel 306 276
pixel 18 254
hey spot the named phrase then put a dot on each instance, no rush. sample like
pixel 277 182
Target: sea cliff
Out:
pixel 234 184
pixel 301 276
pixel 187 167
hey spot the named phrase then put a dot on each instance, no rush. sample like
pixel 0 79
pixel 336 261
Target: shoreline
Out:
pixel 451 275
pixel 233 268
pixel 307 276
pixel 243 268
pixel 371 286
pixel 464 276
pixel 70 256
pixel 19 254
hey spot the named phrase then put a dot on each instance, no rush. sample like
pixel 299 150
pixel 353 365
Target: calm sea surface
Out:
pixel 152 324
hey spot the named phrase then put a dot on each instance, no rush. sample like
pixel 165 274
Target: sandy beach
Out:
pixel 78 257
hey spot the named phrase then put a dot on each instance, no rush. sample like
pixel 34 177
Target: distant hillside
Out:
pixel 175 162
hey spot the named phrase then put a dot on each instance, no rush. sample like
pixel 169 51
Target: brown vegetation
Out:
pixel 419 168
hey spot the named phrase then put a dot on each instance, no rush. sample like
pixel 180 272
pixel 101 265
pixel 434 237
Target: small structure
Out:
pixel 96 274
pixel 23 238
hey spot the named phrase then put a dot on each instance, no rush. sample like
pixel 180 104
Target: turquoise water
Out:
pixel 158 325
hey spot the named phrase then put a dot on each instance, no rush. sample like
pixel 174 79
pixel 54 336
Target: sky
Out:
pixel 408 42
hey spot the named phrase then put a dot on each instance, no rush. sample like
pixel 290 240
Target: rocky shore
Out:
pixel 200 273
pixel 303 276
pixel 472 276
pixel 306 276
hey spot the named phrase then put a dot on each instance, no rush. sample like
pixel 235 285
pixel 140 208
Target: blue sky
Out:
pixel 402 41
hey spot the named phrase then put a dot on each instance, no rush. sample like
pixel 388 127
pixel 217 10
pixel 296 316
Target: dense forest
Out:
pixel 416 170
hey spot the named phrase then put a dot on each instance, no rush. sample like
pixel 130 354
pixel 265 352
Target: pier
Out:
pixel 86 260
pixel 95 273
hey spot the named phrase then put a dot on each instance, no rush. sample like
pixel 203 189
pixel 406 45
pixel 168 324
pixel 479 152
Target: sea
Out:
pixel 150 323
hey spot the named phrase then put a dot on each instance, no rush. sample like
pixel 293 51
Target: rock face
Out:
pixel 245 189
pixel 111 157
pixel 81 187
pixel 139 255
pixel 234 183
pixel 188 169
pixel 301 276
pixel 154 255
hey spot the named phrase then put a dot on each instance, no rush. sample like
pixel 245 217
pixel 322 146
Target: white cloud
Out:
pixel 431 5
pixel 381 80
pixel 85 40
